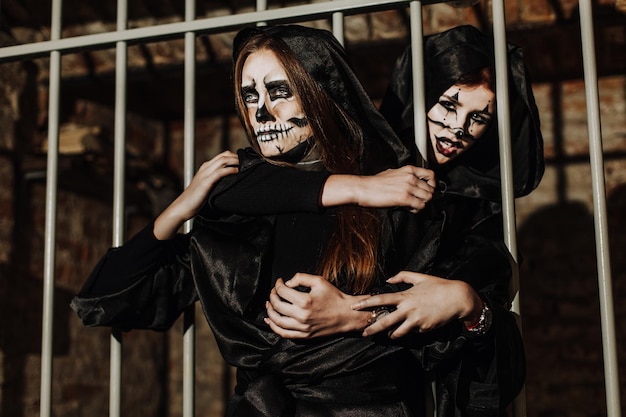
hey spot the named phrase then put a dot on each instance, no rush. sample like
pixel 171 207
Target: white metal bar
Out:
pixel 420 132
pixel 504 126
pixel 506 165
pixel 189 337
pixel 417 65
pixel 212 24
pixel 50 239
pixel 261 5
pixel 119 173
pixel 115 377
pixel 47 320
pixel 338 26
pixel 599 213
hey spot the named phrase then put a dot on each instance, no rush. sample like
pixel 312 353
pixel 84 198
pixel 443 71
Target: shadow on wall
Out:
pixel 20 333
pixel 560 307
pixel 617 238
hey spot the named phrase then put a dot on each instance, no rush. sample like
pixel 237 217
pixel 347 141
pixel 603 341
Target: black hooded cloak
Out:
pixel 463 237
pixel 475 173
pixel 324 59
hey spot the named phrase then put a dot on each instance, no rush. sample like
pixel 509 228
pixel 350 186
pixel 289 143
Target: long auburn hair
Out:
pixel 351 255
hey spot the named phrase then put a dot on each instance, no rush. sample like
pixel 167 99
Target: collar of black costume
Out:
pixel 298 156
pixel 476 173
pixel 325 60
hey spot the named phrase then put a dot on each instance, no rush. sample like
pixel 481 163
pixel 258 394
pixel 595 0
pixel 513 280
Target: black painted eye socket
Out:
pixel 249 95
pixel 278 90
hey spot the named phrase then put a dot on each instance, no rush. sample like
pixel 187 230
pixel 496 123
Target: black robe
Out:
pixel 469 243
pixel 227 265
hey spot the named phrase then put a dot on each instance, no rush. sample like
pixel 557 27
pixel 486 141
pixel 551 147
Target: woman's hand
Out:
pixel 430 303
pixel 322 311
pixel 410 186
pixel 189 202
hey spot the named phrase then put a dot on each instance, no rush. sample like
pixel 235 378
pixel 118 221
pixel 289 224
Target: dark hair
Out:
pixel 484 76
pixel 352 251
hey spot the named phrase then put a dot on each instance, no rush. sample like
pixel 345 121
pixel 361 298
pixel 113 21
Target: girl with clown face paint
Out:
pixel 461 116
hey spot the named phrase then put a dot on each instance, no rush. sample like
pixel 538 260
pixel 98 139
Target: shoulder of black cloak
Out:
pixel 447 56
pixel 325 60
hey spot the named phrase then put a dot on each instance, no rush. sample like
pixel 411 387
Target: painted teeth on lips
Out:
pixel 267 137
pixel 449 144
pixel 267 133
pixel 447 147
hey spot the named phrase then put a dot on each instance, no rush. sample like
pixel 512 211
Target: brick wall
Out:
pixel 561 321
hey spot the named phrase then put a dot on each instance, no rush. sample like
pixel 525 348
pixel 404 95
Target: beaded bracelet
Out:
pixel 483 324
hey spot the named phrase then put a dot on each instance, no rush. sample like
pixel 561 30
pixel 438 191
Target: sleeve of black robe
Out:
pixel 144 284
pixel 491 369
pixel 477 375
pixel 262 188
pixel 147 283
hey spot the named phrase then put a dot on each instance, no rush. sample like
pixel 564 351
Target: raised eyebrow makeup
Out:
pixel 485 112
pixel 454 98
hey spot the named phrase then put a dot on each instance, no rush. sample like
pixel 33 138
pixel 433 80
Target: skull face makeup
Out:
pixel 273 111
pixel 458 119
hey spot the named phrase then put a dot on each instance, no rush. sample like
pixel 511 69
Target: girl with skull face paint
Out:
pixel 303 109
pixel 292 118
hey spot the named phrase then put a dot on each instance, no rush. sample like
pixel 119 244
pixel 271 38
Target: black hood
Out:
pixel 324 59
pixel 475 173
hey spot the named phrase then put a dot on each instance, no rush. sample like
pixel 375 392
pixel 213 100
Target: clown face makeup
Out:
pixel 274 112
pixel 460 117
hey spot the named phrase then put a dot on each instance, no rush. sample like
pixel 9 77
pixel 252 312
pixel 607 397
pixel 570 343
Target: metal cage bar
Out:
pixel 119 218
pixel 207 25
pixel 50 216
pixel 337 25
pixel 189 336
pixel 417 63
pixel 599 212
pixel 506 165
pixel 419 125
pixel 261 5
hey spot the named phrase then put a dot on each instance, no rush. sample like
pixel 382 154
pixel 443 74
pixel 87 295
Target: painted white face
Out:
pixel 274 112
pixel 458 119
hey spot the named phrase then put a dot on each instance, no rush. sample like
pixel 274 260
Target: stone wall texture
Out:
pixel 558 275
